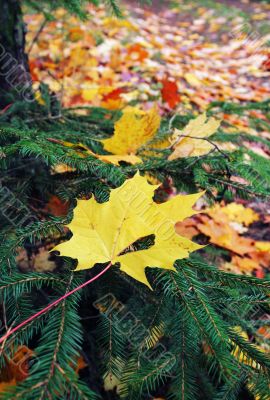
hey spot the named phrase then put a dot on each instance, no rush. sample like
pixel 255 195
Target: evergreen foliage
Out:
pixel 183 340
pixel 76 7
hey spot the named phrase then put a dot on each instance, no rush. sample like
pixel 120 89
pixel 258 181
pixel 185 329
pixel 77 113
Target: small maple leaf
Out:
pixel 136 52
pixel 170 93
pixel 104 232
pixel 187 143
pixel 235 212
pixel 222 234
pixel 132 130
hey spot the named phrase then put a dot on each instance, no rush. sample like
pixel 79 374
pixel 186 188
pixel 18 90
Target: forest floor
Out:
pixel 212 52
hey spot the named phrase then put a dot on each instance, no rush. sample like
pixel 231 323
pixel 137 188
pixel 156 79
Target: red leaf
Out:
pixel 114 94
pixel 260 273
pixel 266 63
pixel 57 207
pixel 169 93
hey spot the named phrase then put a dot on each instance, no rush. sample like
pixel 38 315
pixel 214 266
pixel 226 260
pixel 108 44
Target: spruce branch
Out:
pixel 53 304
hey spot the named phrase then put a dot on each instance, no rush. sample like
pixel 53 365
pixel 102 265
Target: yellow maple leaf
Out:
pixel 84 151
pixel 187 143
pixel 104 232
pixel 132 130
pixel 262 246
pixel 89 94
pixel 113 159
pixel 235 212
pixel 192 79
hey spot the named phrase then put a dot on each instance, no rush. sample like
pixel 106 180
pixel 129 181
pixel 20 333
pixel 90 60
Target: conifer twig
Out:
pixel 53 304
pixel 35 39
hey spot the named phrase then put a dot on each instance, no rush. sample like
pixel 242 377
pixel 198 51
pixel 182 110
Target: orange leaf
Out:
pixel 137 52
pixel 224 235
pixel 186 228
pixel 16 369
pixel 81 364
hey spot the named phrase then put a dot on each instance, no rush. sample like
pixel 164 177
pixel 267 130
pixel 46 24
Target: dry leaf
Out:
pixel 242 265
pixel 239 354
pixel 57 207
pixel 132 130
pixel 80 364
pixel 61 169
pixel 199 128
pixel 136 52
pixel 132 214
pixel 235 213
pixel 16 368
pixel 170 93
pixel 192 79
pixel 113 100
pixel 263 246
pixel 84 151
pixel 187 228
pixel 224 235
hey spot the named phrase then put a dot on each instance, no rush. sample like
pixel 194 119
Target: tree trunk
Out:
pixel 15 79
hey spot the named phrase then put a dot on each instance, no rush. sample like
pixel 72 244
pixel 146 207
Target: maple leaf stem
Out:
pixel 6 108
pixel 53 304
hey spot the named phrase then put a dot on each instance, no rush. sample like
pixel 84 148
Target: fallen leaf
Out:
pixel 132 130
pixel 238 353
pixel 170 93
pixel 16 369
pixel 41 261
pixel 113 100
pixel 111 382
pixel 90 93
pixel 187 146
pixel 61 169
pixel 80 364
pixel 224 235
pixel 187 228
pixel 235 213
pixel 192 79
pixel 84 151
pixel 263 246
pixel 136 52
pixel 139 51
pixel 133 215
pixel 243 265
pixel 261 257
pixel 57 207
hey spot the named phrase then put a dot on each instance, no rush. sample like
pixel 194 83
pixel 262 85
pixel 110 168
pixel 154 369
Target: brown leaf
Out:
pixel 16 369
